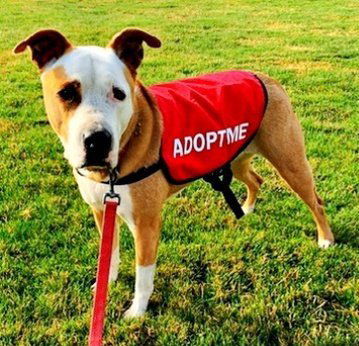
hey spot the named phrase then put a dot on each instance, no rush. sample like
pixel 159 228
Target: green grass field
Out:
pixel 260 281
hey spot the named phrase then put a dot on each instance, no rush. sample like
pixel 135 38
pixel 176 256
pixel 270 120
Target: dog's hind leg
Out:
pixel 297 173
pixel 243 171
pixel 281 142
pixel 115 257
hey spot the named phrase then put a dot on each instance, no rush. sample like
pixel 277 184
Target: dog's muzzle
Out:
pixel 97 147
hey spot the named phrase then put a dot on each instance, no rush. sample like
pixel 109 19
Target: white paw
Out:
pixel 247 209
pixel 134 311
pixel 325 243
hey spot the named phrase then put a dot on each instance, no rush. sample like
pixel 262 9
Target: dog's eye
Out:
pixel 118 94
pixel 69 94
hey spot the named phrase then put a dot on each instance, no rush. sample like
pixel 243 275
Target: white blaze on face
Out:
pixel 97 70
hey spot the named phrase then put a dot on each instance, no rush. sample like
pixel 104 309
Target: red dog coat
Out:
pixel 207 121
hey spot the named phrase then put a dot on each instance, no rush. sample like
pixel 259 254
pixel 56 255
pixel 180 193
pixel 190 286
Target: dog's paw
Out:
pixel 247 209
pixel 134 312
pixel 325 243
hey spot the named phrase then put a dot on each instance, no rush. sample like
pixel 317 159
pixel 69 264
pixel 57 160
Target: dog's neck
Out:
pixel 140 143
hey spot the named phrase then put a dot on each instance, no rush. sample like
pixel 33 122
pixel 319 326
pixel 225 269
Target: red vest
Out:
pixel 207 121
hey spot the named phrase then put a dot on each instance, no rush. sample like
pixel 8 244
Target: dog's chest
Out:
pixel 93 193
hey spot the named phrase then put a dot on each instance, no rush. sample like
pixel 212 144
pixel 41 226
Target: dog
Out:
pixel 106 118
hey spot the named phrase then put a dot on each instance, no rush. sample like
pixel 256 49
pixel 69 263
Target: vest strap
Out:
pixel 220 180
pixel 141 174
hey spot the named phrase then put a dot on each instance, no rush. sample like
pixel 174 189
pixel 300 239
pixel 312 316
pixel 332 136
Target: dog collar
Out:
pixel 133 177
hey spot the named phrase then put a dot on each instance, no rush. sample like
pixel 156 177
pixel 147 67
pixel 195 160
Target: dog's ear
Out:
pixel 128 46
pixel 45 45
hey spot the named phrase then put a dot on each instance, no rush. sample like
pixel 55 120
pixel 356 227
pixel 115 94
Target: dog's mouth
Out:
pixel 94 167
pixel 96 173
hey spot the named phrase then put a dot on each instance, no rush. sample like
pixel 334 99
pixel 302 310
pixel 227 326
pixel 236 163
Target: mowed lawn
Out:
pixel 258 281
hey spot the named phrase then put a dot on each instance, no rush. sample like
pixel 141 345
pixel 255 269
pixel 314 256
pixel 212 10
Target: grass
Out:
pixel 260 281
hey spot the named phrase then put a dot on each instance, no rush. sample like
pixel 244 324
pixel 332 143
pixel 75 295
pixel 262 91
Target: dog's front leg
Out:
pixel 146 235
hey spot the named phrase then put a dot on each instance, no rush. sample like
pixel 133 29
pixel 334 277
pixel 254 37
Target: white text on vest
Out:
pixel 204 141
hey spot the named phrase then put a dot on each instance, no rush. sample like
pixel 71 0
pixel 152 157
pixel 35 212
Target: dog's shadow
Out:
pixel 346 232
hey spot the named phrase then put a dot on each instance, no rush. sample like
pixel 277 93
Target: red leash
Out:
pixel 103 269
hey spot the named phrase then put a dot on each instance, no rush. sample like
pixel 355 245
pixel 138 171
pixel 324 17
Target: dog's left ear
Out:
pixel 128 46
pixel 45 46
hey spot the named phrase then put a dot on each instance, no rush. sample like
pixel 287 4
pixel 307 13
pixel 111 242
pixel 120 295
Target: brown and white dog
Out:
pixel 105 117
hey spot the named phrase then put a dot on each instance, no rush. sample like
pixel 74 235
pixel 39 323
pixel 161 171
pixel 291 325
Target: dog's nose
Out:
pixel 98 145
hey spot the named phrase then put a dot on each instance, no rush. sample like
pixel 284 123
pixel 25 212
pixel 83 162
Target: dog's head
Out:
pixel 89 91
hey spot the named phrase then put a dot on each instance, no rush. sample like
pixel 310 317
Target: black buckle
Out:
pixel 112 194
pixel 220 181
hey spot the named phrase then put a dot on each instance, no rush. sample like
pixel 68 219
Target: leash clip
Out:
pixel 112 194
